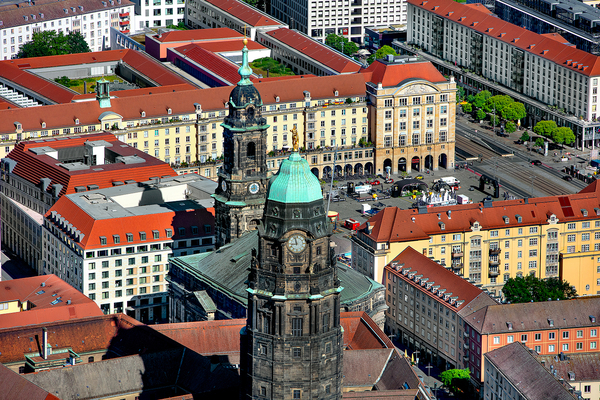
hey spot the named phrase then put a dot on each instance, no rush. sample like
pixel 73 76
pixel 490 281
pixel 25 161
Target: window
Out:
pixel 523 338
pixel 587 388
pixel 538 336
pixel 592 345
pixel 551 335
pixel 550 348
pixel 579 333
pixel 297 352
pixel 565 347
pixel 509 339
pixel 565 334
pixel 579 346
pixel 296 394
pixel 496 339
pixel 593 332
pixel 296 326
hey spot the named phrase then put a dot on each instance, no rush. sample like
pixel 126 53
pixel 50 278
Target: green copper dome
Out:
pixel 294 183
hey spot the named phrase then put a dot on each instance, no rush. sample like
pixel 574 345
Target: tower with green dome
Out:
pixel 292 344
pixel 240 195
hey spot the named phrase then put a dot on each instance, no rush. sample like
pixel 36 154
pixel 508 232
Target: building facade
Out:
pixel 577 370
pixel 490 242
pixel 555 80
pixel 158 13
pixel 425 308
pixel 348 19
pixel 91 18
pixel 114 244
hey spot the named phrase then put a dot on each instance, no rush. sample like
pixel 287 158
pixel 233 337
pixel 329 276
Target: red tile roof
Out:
pixel 394 225
pixel 15 386
pixel 82 335
pixel 221 337
pixel 558 38
pixel 93 229
pixel 395 74
pixel 315 50
pixel 13 15
pixel 198 34
pixel 35 167
pixel 218 65
pixel 139 92
pixel 156 104
pixel 489 25
pixel 422 265
pixel 244 12
pixel 230 45
pixel 16 71
pixel 30 290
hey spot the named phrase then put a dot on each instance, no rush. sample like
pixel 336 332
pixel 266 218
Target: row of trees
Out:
pixel 485 106
pixel 530 288
pixel 350 48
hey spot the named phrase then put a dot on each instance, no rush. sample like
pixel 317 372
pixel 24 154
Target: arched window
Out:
pixel 251 151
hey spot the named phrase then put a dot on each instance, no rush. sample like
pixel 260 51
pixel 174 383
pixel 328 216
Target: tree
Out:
pixel 514 111
pixel 467 108
pixel 382 52
pixel 497 103
pixel 460 94
pixel 525 136
pixel 539 142
pixel 481 98
pixel 454 378
pixel 563 135
pixel 342 44
pixel 470 98
pixel 480 114
pixel 524 290
pixel 49 43
pixel 545 128
pixel 494 120
pixel 510 127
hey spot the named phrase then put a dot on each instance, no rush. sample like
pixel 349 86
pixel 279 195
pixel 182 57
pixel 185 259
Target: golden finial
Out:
pixel 294 138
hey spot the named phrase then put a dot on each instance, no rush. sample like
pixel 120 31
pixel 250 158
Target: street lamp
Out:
pixel 429 366
pixel 417 357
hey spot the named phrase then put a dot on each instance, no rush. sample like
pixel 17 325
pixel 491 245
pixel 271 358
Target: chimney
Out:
pixel 44 343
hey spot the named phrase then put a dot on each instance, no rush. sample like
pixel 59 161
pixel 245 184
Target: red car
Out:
pixel 389 181
pixel 374 182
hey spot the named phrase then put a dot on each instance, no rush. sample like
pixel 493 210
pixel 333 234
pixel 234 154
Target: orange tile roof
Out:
pixel 198 34
pixel 558 38
pixel 395 74
pixel 394 225
pixel 29 290
pixel 93 229
pixel 35 167
pixel 533 43
pixel 244 12
pixel 16 71
pixel 82 335
pixel 156 104
pixel 315 50
pixel 221 337
pixel 230 45
pixel 220 66
pixel 422 265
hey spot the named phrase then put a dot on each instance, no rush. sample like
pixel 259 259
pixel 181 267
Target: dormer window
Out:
pixel 198 106
pixel 44 125
pixel 336 93
pixel 18 126
pixel 442 226
pixel 143 114
pixel 506 220
pixel 169 111
pixel 103 240
pixel 519 218
pixel 276 99
pixel 76 121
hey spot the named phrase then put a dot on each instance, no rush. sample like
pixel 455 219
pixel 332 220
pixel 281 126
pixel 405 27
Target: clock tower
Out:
pixel 291 346
pixel 240 195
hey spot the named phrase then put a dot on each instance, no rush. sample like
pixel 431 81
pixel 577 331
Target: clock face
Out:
pixel 297 243
pixel 224 185
pixel 254 188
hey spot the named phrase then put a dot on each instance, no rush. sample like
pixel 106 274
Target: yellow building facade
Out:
pixel 488 244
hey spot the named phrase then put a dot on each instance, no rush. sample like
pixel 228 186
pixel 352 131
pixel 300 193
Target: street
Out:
pixel 13 268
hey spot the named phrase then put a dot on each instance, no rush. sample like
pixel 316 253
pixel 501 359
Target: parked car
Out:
pixel 389 181
pixel 374 182
pixel 419 177
pixel 567 178
pixel 536 162
pixel 519 141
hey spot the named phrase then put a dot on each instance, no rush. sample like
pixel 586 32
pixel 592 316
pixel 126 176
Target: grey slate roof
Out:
pixel 526 374
pixel 584 367
pixel 227 270
pixel 205 301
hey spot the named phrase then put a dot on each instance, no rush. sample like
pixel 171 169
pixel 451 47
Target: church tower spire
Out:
pixel 291 347
pixel 239 198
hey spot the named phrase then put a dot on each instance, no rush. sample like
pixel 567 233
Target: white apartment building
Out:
pixel 93 18
pixel 154 13
pixel 114 244
pixel 540 67
pixel 343 17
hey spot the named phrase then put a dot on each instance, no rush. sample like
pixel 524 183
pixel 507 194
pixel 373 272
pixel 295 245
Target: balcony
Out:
pixel 466 346
pixel 466 334
pixel 457 265
pixel 466 358
pixel 494 271
pixel 494 263
pixel 494 252
pixel 457 254
pixel 124 23
pixel 124 31
pixel 123 15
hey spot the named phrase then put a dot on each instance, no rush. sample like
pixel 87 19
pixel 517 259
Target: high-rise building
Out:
pixel 239 198
pixel 291 347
